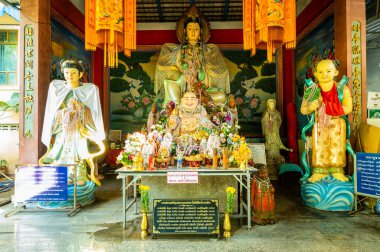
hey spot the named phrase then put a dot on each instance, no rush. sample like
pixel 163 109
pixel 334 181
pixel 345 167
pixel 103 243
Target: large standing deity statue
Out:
pixel 73 121
pixel 329 101
pixel 271 123
pixel 193 65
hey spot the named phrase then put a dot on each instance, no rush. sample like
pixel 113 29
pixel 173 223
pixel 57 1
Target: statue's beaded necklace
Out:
pixel 260 181
pixel 192 62
pixel 188 113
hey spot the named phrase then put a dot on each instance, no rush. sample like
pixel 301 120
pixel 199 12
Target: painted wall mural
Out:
pixel 317 45
pixel 253 82
pixel 65 45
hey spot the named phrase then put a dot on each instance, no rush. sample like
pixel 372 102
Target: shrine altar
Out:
pixel 243 177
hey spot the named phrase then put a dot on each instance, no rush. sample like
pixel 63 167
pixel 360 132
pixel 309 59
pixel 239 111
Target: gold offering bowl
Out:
pixel 194 158
pixel 194 161
pixel 162 162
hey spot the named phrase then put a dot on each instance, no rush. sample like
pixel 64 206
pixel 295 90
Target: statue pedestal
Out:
pixel 85 196
pixel 328 194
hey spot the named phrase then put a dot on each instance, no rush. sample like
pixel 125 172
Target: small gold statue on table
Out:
pixel 163 155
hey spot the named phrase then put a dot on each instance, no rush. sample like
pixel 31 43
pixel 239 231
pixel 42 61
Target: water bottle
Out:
pixel 179 163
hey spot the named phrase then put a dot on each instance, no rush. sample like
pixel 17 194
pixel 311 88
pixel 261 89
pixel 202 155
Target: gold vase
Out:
pixel 138 162
pixel 144 225
pixel 227 225
pixel 225 157
pixel 214 158
pixel 242 165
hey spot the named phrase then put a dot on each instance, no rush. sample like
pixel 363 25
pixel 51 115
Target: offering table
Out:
pixel 242 176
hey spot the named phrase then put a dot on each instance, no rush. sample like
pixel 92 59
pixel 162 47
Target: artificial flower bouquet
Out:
pixel 242 153
pixel 227 133
pixel 231 191
pixel 192 153
pixel 133 145
pixel 144 192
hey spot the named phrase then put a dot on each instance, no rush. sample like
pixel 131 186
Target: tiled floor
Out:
pixel 98 228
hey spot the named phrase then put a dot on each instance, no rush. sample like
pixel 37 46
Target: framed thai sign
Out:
pixel 367 174
pixel 41 183
pixel 185 216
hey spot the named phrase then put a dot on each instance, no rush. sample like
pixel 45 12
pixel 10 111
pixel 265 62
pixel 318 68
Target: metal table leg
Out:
pixel 241 196
pixel 249 200
pixel 124 202
pixel 135 196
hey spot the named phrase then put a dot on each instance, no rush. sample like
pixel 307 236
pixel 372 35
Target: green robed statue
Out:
pixel 192 65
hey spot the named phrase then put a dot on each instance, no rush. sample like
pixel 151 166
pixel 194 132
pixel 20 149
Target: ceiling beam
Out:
pixel 159 9
pixel 226 7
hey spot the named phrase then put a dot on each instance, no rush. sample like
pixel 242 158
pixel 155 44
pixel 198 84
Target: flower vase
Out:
pixel 225 157
pixel 151 163
pixel 138 162
pixel 136 166
pixel 214 158
pixel 242 165
pixel 144 225
pixel 227 225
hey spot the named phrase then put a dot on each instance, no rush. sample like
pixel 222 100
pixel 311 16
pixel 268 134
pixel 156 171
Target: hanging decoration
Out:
pixel 269 24
pixel 110 25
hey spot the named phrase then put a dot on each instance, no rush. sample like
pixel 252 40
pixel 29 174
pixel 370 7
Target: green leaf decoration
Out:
pixel 118 71
pixel 118 85
pixel 243 57
pixel 268 69
pixel 243 75
pixel 268 85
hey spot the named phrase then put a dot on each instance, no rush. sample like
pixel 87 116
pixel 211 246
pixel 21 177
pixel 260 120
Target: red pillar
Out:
pixel 34 76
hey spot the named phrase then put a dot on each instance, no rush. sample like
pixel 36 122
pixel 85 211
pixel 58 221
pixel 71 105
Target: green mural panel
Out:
pixel 253 82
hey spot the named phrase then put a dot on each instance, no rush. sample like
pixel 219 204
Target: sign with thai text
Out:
pixel 367 174
pixel 182 177
pixel 41 183
pixel 200 216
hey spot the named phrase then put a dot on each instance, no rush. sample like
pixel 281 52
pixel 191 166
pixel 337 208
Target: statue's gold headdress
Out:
pixel 193 15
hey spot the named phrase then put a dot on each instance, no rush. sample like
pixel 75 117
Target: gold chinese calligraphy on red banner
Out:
pixel 270 24
pixel 111 25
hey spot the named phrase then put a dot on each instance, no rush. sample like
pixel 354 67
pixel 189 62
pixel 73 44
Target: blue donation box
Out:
pixel 41 183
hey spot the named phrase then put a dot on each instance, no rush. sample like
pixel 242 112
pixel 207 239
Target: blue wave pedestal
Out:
pixel 85 196
pixel 328 194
